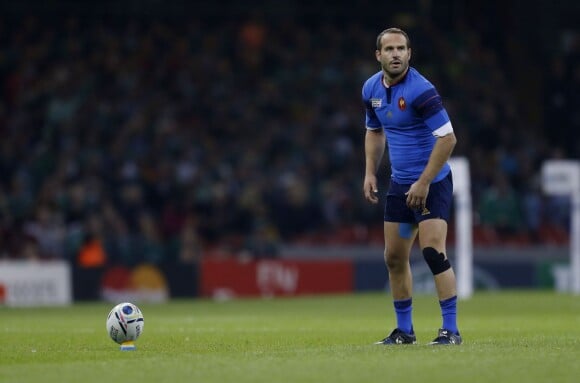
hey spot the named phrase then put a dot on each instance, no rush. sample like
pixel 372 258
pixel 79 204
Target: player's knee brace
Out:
pixel 435 260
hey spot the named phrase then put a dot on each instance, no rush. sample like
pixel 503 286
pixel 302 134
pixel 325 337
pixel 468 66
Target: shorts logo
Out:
pixel 425 211
pixel 376 102
pixel 402 103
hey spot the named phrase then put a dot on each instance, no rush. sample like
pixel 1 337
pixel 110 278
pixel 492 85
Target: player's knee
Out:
pixel 386 257
pixel 394 261
pixel 436 260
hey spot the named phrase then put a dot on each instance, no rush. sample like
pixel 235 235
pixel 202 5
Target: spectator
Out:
pixel 205 113
pixel 500 210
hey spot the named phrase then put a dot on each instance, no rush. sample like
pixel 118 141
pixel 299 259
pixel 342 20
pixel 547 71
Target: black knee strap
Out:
pixel 435 260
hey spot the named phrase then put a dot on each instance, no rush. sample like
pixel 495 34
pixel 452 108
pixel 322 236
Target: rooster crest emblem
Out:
pixel 402 103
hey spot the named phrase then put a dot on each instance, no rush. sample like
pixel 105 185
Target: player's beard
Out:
pixel 392 73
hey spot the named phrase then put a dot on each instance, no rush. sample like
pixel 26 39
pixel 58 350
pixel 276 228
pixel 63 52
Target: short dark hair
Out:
pixel 393 30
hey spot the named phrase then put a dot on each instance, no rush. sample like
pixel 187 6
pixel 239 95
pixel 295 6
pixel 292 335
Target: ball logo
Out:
pixel 402 103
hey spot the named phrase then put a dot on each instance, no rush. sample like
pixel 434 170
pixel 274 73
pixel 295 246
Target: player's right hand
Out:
pixel 371 190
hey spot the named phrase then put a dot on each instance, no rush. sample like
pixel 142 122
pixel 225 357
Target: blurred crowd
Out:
pixel 160 140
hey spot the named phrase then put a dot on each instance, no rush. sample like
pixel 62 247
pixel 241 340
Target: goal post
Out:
pixel 463 226
pixel 562 177
pixel 559 177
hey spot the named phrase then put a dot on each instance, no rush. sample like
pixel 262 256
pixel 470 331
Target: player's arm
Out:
pixel 374 150
pixel 444 145
pixel 430 107
pixel 442 150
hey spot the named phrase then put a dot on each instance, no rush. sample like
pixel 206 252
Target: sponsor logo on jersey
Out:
pixel 376 102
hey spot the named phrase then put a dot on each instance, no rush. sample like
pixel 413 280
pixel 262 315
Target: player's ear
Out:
pixel 410 51
pixel 378 55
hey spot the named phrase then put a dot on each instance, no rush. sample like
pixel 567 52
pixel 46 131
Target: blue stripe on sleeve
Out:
pixel 428 103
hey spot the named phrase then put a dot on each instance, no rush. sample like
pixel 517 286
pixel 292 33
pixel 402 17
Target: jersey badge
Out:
pixel 376 102
pixel 402 104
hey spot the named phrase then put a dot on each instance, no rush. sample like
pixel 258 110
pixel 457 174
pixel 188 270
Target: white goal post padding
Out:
pixel 559 177
pixel 463 226
pixel 562 177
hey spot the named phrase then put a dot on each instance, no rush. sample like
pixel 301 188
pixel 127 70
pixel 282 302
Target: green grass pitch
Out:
pixel 513 336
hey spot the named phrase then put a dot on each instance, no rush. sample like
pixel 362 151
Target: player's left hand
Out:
pixel 417 195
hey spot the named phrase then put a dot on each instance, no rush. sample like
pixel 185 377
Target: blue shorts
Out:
pixel 438 204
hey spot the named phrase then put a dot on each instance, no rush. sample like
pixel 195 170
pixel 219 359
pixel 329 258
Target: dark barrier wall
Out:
pixel 370 275
pixel 488 275
pixel 87 283
pixel 182 279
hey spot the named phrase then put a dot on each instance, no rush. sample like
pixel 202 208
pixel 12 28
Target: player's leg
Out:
pixel 432 234
pixel 432 239
pixel 399 238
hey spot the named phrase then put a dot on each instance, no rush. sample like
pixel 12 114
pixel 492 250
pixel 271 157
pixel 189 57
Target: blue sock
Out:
pixel 403 309
pixel 449 313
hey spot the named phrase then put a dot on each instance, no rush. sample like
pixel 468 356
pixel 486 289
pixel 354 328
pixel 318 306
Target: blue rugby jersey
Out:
pixel 408 111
